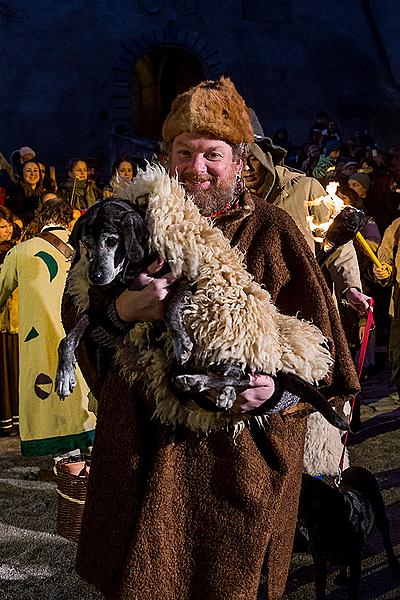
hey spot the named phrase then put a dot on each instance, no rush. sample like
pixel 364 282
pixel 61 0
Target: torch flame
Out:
pixel 333 203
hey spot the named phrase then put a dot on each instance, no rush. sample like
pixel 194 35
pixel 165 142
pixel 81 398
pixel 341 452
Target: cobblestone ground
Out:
pixel 37 563
pixel 377 447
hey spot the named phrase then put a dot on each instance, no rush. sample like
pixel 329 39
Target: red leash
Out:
pixel 360 364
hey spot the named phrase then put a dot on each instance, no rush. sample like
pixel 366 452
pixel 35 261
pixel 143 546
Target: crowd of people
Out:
pixel 266 177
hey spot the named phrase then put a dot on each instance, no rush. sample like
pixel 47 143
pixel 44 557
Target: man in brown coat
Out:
pixel 177 515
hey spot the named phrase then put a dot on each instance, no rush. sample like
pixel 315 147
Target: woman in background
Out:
pixel 78 190
pixel 9 356
pixel 23 198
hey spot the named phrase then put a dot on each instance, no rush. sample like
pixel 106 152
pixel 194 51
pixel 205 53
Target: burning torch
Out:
pixel 344 224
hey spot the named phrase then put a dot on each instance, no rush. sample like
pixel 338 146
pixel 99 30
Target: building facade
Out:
pixel 96 77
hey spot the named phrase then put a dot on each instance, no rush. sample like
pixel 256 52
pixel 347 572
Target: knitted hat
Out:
pixel 25 150
pixel 363 179
pixel 331 146
pixel 211 108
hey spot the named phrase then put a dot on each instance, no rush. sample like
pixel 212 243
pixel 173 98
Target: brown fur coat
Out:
pixel 173 515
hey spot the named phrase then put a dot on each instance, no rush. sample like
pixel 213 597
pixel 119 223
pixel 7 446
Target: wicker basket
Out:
pixel 71 490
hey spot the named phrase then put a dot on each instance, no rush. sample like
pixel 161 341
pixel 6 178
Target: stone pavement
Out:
pixel 35 563
pixel 377 447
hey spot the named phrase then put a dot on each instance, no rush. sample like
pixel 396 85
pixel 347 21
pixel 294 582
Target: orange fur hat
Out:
pixel 211 108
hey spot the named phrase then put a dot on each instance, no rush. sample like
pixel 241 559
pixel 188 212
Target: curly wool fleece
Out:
pixel 230 316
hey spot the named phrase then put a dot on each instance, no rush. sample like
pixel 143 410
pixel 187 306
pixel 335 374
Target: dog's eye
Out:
pixel 112 241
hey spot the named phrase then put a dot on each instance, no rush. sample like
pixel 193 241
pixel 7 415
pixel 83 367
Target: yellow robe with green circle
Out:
pixel 47 425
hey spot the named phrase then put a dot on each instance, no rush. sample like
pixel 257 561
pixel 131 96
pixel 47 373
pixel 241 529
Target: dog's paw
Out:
pixel 226 398
pixel 191 383
pixel 65 381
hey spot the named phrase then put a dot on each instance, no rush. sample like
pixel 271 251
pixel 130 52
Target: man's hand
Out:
pixel 261 389
pixel 144 299
pixel 357 300
pixel 383 273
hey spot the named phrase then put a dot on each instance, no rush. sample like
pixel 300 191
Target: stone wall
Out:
pixel 67 67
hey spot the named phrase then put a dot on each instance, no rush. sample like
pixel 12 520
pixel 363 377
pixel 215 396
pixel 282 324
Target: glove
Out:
pixel 357 300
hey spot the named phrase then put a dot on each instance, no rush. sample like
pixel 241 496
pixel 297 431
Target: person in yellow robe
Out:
pixel 38 267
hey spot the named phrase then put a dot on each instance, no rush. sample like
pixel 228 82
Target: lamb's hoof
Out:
pixel 183 351
pixel 65 382
pixel 226 398
pixel 190 383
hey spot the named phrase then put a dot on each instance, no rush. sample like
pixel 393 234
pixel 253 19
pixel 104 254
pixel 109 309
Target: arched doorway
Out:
pixel 159 76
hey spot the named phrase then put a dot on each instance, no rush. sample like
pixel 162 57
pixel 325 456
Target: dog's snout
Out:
pixel 96 277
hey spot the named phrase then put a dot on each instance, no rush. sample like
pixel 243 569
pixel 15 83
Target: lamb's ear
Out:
pixel 135 236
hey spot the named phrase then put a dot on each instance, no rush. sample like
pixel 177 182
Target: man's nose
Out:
pixel 199 164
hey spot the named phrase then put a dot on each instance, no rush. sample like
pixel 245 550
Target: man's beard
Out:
pixel 214 199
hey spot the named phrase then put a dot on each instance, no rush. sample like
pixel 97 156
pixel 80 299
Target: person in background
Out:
pixel 313 154
pixel 124 172
pixel 360 183
pixel 9 358
pixel 327 161
pixel 355 328
pixel 77 189
pixel 23 198
pixel 329 134
pixel 381 202
pixel 38 267
pixel 389 277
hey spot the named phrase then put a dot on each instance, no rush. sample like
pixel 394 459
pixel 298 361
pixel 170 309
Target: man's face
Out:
pixel 207 169
pixel 254 174
pixel 357 187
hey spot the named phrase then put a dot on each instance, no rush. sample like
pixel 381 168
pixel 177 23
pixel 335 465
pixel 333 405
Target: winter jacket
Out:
pixel 389 253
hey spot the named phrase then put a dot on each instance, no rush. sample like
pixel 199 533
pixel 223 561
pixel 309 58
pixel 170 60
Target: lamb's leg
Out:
pixel 229 378
pixel 181 341
pixel 65 376
pixel 308 393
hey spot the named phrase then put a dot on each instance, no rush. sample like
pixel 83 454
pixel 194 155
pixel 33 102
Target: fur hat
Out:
pixel 211 108
pixel 363 179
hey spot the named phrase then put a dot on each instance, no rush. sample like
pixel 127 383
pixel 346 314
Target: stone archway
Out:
pixel 167 60
pixel 159 76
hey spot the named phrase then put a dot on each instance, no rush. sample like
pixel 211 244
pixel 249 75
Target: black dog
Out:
pixel 336 522
pixel 113 239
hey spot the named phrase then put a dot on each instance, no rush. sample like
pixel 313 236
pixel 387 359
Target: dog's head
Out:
pixel 115 240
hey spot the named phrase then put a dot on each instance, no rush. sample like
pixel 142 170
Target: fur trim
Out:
pixel 211 108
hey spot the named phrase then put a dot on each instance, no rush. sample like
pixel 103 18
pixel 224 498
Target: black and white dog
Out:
pixel 336 522
pixel 113 239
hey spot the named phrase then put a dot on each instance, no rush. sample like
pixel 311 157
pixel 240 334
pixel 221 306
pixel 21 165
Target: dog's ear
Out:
pixel 135 236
